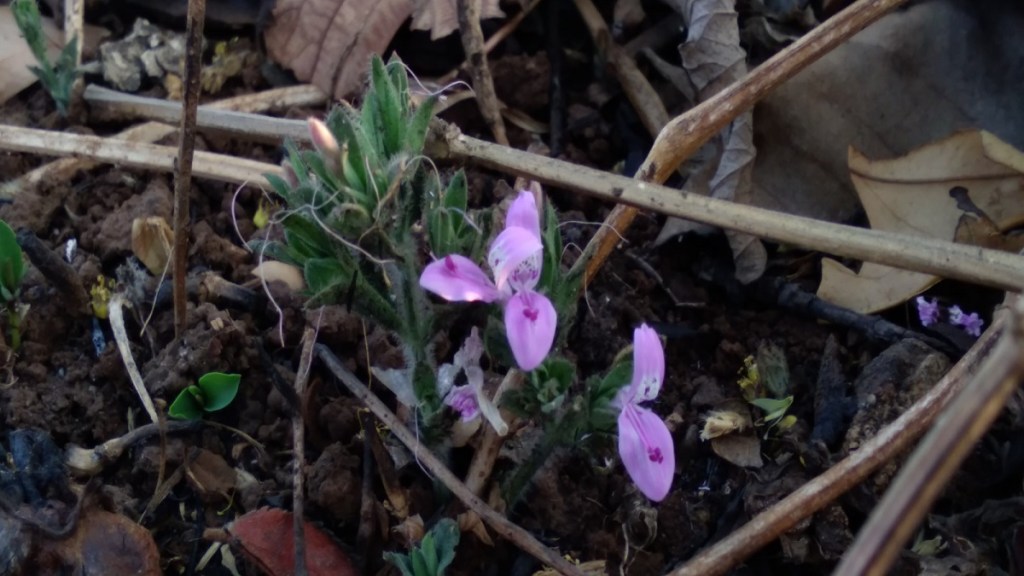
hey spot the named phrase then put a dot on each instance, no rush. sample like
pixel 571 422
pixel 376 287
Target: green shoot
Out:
pixel 58 78
pixel 434 553
pixel 213 392
pixel 12 271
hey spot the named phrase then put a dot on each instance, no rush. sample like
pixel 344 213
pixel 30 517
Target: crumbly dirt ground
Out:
pixel 581 501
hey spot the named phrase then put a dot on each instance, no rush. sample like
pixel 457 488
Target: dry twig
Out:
pixel 183 162
pixel 116 311
pixel 931 466
pixel 969 263
pixel 65 168
pixel 890 441
pixel 685 134
pixel 496 521
pixel 483 83
pixel 299 451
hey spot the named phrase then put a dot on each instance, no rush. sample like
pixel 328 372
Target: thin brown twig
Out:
pixel 503 526
pixel 890 441
pixel 486 454
pixel 65 168
pixel 186 148
pixel 299 451
pixel 897 515
pixel 505 31
pixel 685 134
pixel 947 259
pixel 483 83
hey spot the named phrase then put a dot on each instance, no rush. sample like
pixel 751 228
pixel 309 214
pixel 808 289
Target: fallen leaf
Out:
pixel 442 18
pixel 329 42
pixel 913 77
pixel 713 59
pixel 271 270
pixel 739 449
pixel 211 476
pixel 16 56
pixel 103 543
pixel 911 195
pixel 977 228
pixel 152 239
pixel 266 538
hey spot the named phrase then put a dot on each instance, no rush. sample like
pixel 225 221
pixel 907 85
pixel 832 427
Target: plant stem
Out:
pixel 186 148
pixel 14 326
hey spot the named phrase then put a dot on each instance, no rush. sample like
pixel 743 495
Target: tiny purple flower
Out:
pixel 515 258
pixel 928 312
pixel 645 444
pixel 462 399
pixel 971 323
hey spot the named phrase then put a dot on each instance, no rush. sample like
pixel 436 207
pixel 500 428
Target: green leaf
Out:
pixel 12 261
pixel 416 131
pixel 324 275
pixel 401 561
pixel 773 369
pixel 419 563
pixel 774 408
pixel 429 554
pixel 185 406
pixel 388 109
pixel 219 389
pixel 446 538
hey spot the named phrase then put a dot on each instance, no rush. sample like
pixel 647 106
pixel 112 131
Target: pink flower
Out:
pixel 515 258
pixel 645 443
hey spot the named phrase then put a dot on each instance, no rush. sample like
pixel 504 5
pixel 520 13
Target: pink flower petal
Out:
pixel 457 278
pixel 648 367
pixel 513 246
pixel 647 451
pixel 524 214
pixel 530 322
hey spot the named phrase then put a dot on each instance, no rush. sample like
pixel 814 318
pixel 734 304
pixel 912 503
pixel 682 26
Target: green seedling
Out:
pixel 12 271
pixel 434 553
pixel 764 383
pixel 58 78
pixel 213 392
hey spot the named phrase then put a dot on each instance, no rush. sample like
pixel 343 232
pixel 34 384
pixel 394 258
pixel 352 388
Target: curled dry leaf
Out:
pixel 712 59
pixel 152 239
pixel 441 17
pixel 265 537
pixel 271 270
pixel 912 195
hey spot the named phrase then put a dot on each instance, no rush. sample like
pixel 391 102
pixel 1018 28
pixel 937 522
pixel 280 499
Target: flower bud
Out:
pixel 322 137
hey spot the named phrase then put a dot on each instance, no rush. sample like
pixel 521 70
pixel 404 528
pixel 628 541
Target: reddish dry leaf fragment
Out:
pixel 265 537
pixel 329 42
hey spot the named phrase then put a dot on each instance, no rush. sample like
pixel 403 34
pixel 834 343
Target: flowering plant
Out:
pixel 931 313
pixel 645 443
pixel 515 258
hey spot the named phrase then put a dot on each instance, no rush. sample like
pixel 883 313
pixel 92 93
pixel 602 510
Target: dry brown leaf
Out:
pixel 211 476
pixel 914 77
pixel 102 543
pixel 441 17
pixel 329 42
pixel 151 243
pixel 911 195
pixel 713 59
pixel 16 56
pixel 739 449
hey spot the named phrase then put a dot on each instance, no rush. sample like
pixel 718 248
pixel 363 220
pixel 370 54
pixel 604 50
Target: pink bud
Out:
pixel 322 137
